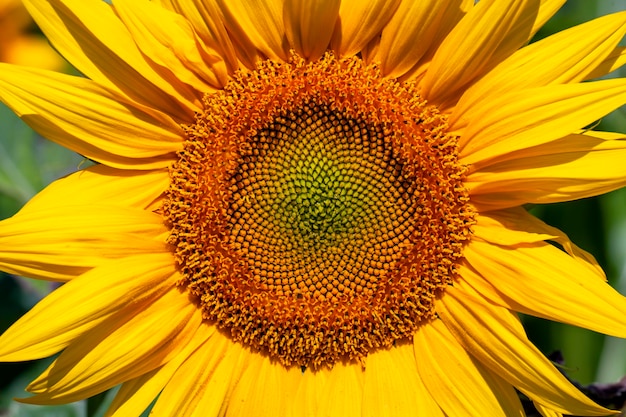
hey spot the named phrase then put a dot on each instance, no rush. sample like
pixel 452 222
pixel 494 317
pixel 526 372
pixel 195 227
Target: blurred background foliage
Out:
pixel 28 163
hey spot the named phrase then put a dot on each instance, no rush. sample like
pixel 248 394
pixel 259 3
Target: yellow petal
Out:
pixel 290 381
pixel 308 393
pixel 202 384
pixel 566 57
pixel 359 22
pixel 546 282
pixel 489 32
pixel 259 22
pixel 452 16
pixel 547 9
pixel 392 386
pixel 515 226
pixel 429 20
pixel 89 35
pixel 615 60
pixel 472 283
pixel 571 168
pixel 584 258
pixel 531 117
pixel 494 336
pixel 82 304
pixel 135 396
pixel 546 411
pixel 132 399
pixel 119 349
pixel 268 398
pixel 80 115
pixel 580 141
pixel 169 40
pixel 60 243
pixel 494 229
pixel 309 25
pixel 450 375
pixel 100 184
pixel 343 393
pixel 205 17
pixel 307 396
pixel 504 392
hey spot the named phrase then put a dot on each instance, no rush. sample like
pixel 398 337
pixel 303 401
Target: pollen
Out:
pixel 317 210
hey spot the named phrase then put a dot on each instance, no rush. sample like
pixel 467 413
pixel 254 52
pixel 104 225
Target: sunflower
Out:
pixel 313 207
pixel 17 46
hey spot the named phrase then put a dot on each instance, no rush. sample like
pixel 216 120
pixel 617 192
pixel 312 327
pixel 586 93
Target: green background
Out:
pixel 28 163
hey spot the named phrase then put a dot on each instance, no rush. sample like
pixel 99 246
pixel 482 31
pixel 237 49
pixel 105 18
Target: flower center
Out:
pixel 320 206
pixel 317 210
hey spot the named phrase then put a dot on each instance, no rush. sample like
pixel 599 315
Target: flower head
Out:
pixel 17 46
pixel 313 207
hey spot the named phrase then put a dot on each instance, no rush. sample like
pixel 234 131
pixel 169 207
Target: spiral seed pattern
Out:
pixel 317 210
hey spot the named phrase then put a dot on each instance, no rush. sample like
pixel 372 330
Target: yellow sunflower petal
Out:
pixel 309 25
pixel 359 21
pixel 427 404
pixel 489 32
pixel 270 398
pixel 169 40
pixel 474 283
pixel 226 372
pixel 547 9
pixel 392 387
pixel 205 18
pixel 491 228
pixel 202 384
pixel 575 167
pixel 494 336
pixel 290 380
pixel 578 142
pixel 114 352
pixel 135 396
pixel 89 35
pixel 432 20
pixel 80 115
pixel 504 392
pixel 546 282
pixel 450 374
pixel 307 396
pixel 82 304
pixel 449 19
pixel 343 393
pixel 100 184
pixel 515 226
pixel 615 60
pixel 546 411
pixel 471 282
pixel 60 243
pixel 531 117
pixel 259 21
pixel 566 57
